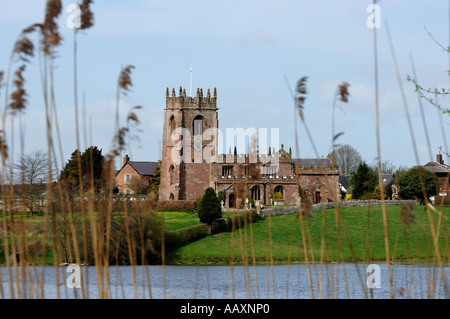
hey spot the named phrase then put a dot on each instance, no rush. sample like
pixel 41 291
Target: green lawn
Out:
pixel 279 239
pixel 175 220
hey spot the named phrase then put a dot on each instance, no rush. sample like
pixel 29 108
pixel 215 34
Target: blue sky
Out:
pixel 245 49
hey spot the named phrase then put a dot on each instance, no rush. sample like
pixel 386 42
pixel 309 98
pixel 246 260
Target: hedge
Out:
pixel 177 205
pixel 184 236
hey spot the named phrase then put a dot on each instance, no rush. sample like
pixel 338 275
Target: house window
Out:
pixel 198 125
pixel 127 178
pixel 127 191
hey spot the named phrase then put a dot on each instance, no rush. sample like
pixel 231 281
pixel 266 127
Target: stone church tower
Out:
pixel 185 172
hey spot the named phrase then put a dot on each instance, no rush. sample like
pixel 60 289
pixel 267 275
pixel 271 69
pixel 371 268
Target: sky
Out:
pixel 253 52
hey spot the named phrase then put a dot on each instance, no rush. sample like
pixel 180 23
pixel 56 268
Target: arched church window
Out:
pixel 256 192
pixel 198 125
pixel 279 189
pixel 172 124
pixel 172 174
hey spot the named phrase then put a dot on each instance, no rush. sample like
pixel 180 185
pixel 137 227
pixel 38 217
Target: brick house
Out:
pixel 186 172
pixel 129 169
pixel 442 172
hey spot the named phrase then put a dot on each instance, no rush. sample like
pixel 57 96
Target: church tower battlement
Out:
pixel 191 102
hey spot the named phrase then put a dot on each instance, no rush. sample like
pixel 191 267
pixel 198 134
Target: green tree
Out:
pixel 91 169
pixel 155 180
pixel 411 186
pixel 209 209
pixel 363 181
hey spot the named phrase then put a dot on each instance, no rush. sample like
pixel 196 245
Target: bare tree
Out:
pixel 139 185
pixel 31 174
pixel 387 167
pixel 347 158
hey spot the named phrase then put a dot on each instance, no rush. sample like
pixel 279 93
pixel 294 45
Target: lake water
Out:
pixel 211 282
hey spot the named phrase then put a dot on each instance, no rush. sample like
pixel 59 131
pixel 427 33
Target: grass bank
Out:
pixel 359 236
pixel 288 238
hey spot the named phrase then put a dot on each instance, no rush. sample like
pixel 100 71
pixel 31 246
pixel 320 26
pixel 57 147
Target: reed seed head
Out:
pixel 24 47
pixel 18 97
pixel 343 91
pixel 49 29
pixel 300 98
pixel 87 17
pixel 125 82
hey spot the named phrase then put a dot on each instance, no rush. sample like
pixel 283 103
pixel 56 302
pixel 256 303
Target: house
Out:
pixel 129 169
pixel 442 172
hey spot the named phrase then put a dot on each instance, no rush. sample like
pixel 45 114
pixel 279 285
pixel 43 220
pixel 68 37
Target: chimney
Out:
pixel 439 158
pixel 126 159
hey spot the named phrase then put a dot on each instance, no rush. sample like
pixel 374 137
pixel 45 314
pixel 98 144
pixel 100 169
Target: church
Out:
pixel 190 162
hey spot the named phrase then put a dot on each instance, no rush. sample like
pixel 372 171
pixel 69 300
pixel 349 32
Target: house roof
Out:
pixel 144 168
pixel 320 162
pixel 387 178
pixel 437 168
pixel 343 181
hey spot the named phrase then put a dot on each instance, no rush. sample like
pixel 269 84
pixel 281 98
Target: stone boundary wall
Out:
pixel 277 211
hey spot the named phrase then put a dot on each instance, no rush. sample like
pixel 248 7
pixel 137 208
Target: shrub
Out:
pixel 140 232
pixel 376 193
pixel 210 208
pixel 365 196
pixel 277 196
pixel 134 238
